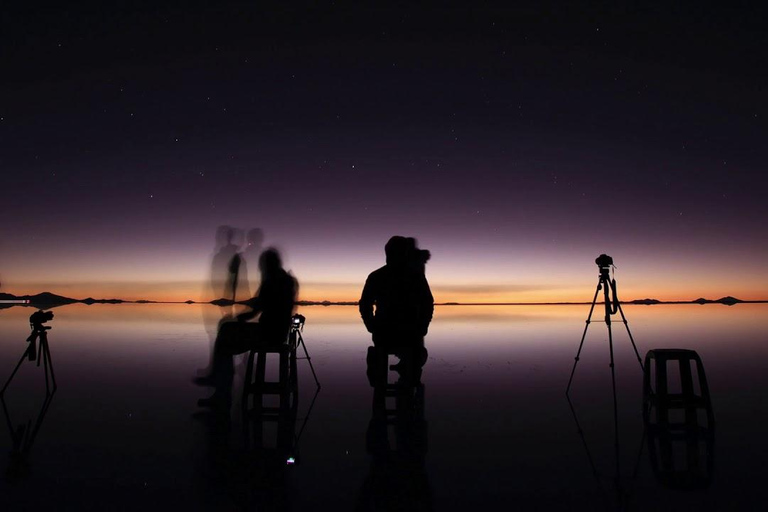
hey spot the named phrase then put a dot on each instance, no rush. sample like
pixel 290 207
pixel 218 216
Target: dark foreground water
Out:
pixel 123 431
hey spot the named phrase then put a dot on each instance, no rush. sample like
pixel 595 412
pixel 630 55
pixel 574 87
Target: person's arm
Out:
pixel 367 300
pixel 255 304
pixel 427 306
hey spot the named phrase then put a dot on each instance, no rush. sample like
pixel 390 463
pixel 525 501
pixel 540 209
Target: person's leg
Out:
pixel 376 360
pixel 412 356
pixel 233 338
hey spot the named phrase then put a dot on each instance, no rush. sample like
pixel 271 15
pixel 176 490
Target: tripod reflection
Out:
pixel 623 486
pixel 23 436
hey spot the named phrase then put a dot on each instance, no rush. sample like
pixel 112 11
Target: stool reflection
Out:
pixel 397 435
pixel 680 425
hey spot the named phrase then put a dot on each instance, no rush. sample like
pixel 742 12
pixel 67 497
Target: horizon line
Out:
pixel 20 300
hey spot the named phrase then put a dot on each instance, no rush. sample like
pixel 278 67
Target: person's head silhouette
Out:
pixel 224 236
pixel 397 250
pixel 270 262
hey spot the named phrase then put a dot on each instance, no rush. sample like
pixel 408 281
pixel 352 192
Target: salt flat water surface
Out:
pixel 124 430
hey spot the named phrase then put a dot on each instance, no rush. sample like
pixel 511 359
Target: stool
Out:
pixel 259 386
pixel 406 388
pixel 662 400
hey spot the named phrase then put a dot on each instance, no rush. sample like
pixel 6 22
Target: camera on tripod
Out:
pixel 612 306
pixel 297 322
pixel 38 318
pixel 36 321
pixel 605 263
pixel 41 353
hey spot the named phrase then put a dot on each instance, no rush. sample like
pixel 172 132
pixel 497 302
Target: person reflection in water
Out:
pixel 396 307
pixel 274 304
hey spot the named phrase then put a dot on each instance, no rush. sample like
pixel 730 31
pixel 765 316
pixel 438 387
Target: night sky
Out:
pixel 515 144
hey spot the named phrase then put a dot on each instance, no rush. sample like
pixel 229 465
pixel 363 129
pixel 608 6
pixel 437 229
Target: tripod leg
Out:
pixel 49 366
pixel 613 383
pixel 584 334
pixel 44 357
pixel 311 367
pixel 626 324
pixel 18 365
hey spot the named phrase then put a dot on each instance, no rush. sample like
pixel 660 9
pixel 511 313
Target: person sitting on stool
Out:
pixel 396 307
pixel 275 302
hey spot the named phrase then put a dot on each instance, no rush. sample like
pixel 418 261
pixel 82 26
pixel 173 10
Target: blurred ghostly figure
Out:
pixel 226 276
pixel 226 280
pixel 274 305
pixel 223 252
pixel 254 241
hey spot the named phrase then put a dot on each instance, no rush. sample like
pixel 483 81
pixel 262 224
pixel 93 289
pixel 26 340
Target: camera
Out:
pixel 604 261
pixel 38 318
pixel 297 322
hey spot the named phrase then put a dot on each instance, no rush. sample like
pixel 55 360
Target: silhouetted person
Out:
pixel 274 304
pixel 397 306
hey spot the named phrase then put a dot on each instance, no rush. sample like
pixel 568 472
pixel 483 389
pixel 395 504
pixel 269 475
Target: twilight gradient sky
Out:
pixel 515 144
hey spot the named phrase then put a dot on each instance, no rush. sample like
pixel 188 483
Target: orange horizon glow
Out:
pixel 582 292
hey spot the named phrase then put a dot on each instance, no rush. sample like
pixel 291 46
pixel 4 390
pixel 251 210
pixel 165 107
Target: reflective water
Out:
pixel 123 431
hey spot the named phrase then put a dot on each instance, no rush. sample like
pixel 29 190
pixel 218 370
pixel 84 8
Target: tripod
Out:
pixel 295 339
pixel 43 353
pixel 606 284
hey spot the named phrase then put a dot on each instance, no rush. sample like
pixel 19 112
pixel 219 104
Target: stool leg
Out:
pixel 283 379
pixel 662 400
pixel 689 399
pixel 704 387
pixel 647 392
pixel 247 384
pixel 258 385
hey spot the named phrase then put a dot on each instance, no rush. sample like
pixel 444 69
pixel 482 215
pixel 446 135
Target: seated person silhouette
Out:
pixel 396 306
pixel 274 303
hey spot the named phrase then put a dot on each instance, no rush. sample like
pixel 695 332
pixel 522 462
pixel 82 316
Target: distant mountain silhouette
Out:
pixel 91 300
pixel 325 303
pixel 730 301
pixel 51 299
pixel 40 298
pixel 646 301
